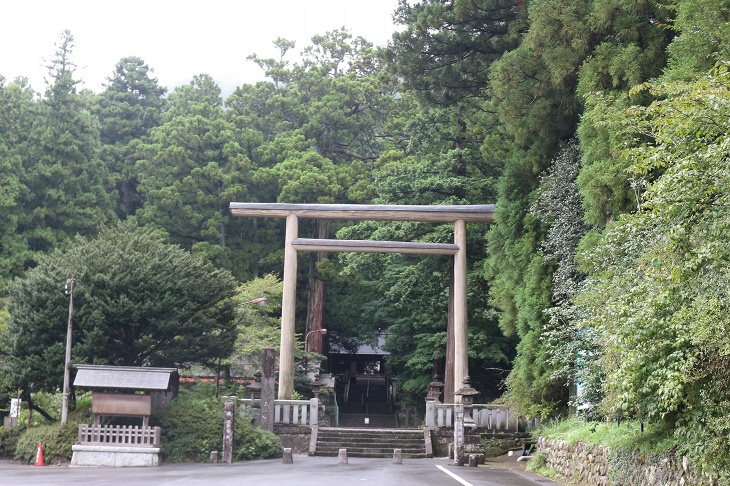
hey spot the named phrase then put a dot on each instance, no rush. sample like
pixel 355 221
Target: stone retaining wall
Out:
pixel 598 465
pixel 487 444
pixel 294 437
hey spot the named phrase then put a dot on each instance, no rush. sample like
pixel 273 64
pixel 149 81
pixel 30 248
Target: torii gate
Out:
pixel 459 215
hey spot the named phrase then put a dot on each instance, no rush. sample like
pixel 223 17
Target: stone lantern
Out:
pixel 467 394
pixel 316 386
pixel 255 387
pixel 434 390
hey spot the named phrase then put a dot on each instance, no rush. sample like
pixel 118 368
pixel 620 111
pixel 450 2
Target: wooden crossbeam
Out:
pixel 369 246
pixel 363 212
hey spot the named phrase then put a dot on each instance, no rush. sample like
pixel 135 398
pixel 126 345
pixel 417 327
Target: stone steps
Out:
pixel 371 442
pixel 357 420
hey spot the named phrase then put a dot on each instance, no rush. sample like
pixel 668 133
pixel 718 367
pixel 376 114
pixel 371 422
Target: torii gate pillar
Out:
pixel 288 308
pixel 461 359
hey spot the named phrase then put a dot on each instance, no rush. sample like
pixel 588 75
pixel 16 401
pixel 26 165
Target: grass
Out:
pixel 628 435
pixel 538 465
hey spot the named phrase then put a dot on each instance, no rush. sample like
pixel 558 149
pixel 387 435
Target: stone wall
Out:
pixel 598 465
pixel 294 437
pixel 487 444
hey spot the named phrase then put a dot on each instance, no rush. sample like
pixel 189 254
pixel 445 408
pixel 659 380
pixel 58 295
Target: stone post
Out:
pixel 314 411
pixel 431 414
pixel 268 381
pixel 229 408
pixel 459 434
pixel 397 456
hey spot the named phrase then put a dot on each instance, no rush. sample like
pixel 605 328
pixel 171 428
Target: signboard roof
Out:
pixel 124 377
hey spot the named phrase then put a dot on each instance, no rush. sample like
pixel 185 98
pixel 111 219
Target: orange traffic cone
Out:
pixel 39 460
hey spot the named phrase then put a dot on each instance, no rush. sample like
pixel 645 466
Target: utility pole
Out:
pixel 70 287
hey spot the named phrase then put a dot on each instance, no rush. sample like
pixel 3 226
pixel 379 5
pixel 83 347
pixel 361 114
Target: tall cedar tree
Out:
pixel 190 169
pixel 131 104
pixel 69 188
pixel 19 112
pixel 569 46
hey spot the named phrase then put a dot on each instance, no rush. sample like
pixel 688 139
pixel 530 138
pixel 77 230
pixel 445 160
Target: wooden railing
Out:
pixel 286 412
pixel 119 435
pixel 489 417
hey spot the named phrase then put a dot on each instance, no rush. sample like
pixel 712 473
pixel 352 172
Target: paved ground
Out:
pixel 306 471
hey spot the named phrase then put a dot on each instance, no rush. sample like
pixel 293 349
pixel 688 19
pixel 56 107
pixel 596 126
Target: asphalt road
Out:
pixel 306 471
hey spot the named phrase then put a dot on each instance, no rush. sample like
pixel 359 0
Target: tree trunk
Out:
pixel 317 293
pixel 32 406
pixel 449 366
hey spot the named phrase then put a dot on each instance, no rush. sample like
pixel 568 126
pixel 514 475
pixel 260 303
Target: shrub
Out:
pixel 9 440
pixel 57 440
pixel 250 442
pixel 192 426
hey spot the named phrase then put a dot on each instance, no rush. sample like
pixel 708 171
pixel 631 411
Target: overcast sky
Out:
pixel 176 38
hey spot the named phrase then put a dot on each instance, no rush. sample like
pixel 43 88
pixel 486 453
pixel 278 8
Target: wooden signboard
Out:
pixel 121 404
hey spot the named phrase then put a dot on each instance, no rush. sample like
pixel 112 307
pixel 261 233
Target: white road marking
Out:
pixel 462 481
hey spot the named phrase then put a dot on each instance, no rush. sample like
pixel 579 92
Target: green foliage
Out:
pixel 474 101
pixel 5 387
pixel 659 278
pixel 444 51
pixel 538 465
pixel 19 112
pixel 628 446
pixel 9 440
pixel 572 350
pixel 572 48
pixel 703 38
pixel 138 301
pixel 251 443
pixel 627 435
pixel 50 402
pixel 189 169
pixel 130 106
pixel 492 446
pixel 192 426
pixel 57 440
pixel 66 187
pixel 607 189
pixel 258 323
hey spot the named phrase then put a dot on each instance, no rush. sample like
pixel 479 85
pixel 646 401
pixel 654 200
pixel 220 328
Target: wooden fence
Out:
pixel 119 435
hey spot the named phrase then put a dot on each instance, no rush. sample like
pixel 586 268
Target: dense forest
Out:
pixel 598 128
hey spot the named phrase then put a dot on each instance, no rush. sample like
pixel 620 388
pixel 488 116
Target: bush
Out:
pixel 250 442
pixel 57 440
pixel 192 426
pixel 9 440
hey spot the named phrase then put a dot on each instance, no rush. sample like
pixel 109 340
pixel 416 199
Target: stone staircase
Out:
pixel 371 442
pixel 368 401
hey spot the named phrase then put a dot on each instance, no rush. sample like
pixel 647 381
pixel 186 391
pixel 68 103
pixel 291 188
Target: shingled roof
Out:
pixel 124 377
